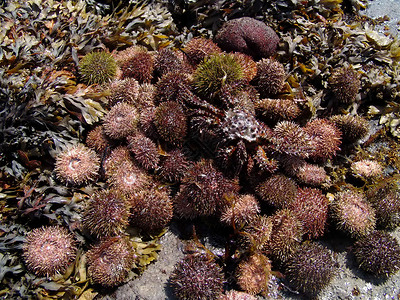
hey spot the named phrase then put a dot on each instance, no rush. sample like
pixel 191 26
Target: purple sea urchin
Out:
pixel 270 77
pixel 249 66
pixel 97 67
pixel 197 277
pixel 276 110
pixel 256 234
pixel 367 168
pixel 151 209
pixel 237 295
pixel 97 139
pixel 352 213
pixel 249 36
pixel 49 250
pixel 110 261
pixel 239 210
pixel 202 191
pixel 173 166
pixel 345 84
pixel 173 86
pixel 325 138
pixel 311 208
pixel 378 253
pixel 278 190
pixel 136 62
pixel 198 49
pixel 239 95
pixel 289 138
pixel 353 128
pixel 119 156
pixel 166 61
pixel 77 165
pixel 286 235
pixel 106 213
pixel 310 268
pixel 145 99
pixel 144 150
pixel 146 122
pixel 385 198
pixel 129 179
pixel 254 273
pixel 123 90
pixel 304 172
pixel 121 121
pixel 171 122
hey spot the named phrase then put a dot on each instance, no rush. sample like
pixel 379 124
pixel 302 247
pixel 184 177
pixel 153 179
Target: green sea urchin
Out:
pixel 97 67
pixel 215 72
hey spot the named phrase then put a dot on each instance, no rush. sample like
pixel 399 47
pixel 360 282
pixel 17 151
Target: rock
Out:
pixel 249 36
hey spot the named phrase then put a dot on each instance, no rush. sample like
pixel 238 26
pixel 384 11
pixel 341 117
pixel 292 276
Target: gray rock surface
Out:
pixel 381 8
pixel 153 284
